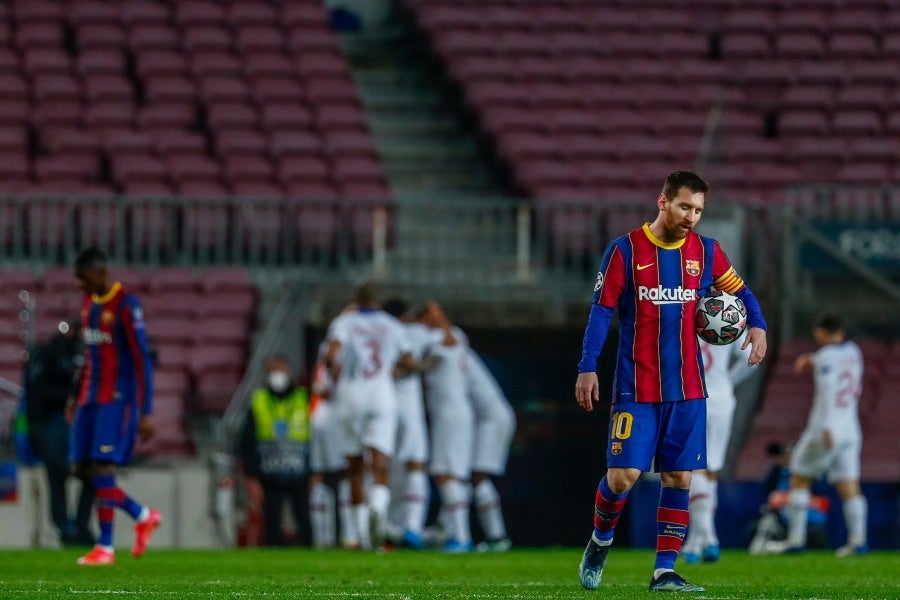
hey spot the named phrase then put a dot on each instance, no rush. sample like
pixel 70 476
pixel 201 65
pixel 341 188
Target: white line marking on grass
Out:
pixel 122 592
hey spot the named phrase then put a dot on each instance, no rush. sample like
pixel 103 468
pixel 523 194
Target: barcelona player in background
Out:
pixel 654 276
pixel 114 401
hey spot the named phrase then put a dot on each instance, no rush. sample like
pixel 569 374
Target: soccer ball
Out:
pixel 720 318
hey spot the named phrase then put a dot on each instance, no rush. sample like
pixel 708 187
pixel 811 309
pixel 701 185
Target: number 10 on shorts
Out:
pixel 621 425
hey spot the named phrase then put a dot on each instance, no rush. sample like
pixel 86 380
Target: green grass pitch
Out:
pixel 521 574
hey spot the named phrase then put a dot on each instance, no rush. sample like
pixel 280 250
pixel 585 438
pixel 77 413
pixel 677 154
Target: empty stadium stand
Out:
pixel 585 98
pixel 198 325
pixel 187 97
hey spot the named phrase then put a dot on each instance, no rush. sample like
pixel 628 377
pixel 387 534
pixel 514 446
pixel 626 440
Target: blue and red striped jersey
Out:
pixel 117 364
pixel 655 287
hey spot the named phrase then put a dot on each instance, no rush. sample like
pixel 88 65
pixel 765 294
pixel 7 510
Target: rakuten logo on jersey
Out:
pixel 93 337
pixel 660 295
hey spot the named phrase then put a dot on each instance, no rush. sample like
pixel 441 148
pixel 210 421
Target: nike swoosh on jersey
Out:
pixel 642 267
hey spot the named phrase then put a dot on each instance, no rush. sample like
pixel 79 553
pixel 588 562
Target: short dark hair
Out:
pixel 679 179
pixel 830 323
pixel 91 257
pixel 395 307
pixel 366 293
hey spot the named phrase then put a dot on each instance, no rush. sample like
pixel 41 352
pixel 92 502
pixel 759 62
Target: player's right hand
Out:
pixel 146 429
pixel 587 390
pixel 802 362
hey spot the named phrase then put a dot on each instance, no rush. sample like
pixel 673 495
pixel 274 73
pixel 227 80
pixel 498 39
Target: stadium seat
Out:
pixel 248 168
pixel 167 141
pixel 231 279
pixel 149 36
pixel 262 63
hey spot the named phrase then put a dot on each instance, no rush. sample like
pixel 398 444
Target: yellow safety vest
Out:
pixel 282 431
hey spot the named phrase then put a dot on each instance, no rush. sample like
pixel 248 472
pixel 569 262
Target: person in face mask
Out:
pixel 274 451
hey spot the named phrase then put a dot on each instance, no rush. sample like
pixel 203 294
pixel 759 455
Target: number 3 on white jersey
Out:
pixel 373 359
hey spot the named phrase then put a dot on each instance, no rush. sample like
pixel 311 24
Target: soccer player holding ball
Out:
pixel 654 276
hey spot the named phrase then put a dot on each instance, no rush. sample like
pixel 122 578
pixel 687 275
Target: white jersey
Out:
pixel 325 454
pixel 446 383
pixel 420 339
pixel 452 419
pixel 724 367
pixel 495 421
pixel 372 342
pixel 837 373
pixel 487 397
pixel 412 430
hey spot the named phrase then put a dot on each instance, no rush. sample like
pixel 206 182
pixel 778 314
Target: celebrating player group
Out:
pixel 380 368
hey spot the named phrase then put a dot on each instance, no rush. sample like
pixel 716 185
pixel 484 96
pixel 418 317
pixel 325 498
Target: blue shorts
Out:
pixel 669 435
pixel 104 432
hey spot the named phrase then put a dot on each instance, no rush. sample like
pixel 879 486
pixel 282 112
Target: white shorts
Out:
pixel 412 431
pixel 368 414
pixel 452 440
pixel 811 459
pixel 718 433
pixel 325 453
pixel 493 435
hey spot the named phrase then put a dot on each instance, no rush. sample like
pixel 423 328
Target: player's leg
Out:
pixel 855 516
pixel 80 444
pixel 380 491
pixel 845 474
pixel 629 451
pixel 609 502
pixel 358 506
pixel 493 436
pixel 681 450
pixel 354 418
pixel 700 506
pixel 455 507
pixel 451 463
pixel 346 515
pixel 798 506
pixel 711 551
pixel 490 513
pixel 320 495
pixel 380 439
pixel 702 542
pixel 415 503
pixel 320 499
pixel 808 460
pixel 114 437
pixel 412 451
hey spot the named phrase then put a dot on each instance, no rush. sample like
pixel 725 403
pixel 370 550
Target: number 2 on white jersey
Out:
pixel 848 390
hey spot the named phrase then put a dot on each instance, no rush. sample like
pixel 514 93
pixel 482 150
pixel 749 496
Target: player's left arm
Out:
pixel 725 278
pixel 139 350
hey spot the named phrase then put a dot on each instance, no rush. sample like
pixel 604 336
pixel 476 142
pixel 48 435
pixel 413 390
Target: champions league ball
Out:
pixel 720 318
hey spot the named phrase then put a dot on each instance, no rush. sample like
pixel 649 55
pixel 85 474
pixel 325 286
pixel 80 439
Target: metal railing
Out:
pixel 195 231
pixel 463 246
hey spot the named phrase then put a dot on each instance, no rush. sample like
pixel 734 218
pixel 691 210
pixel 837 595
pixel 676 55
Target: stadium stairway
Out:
pixel 420 130
pixel 429 147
